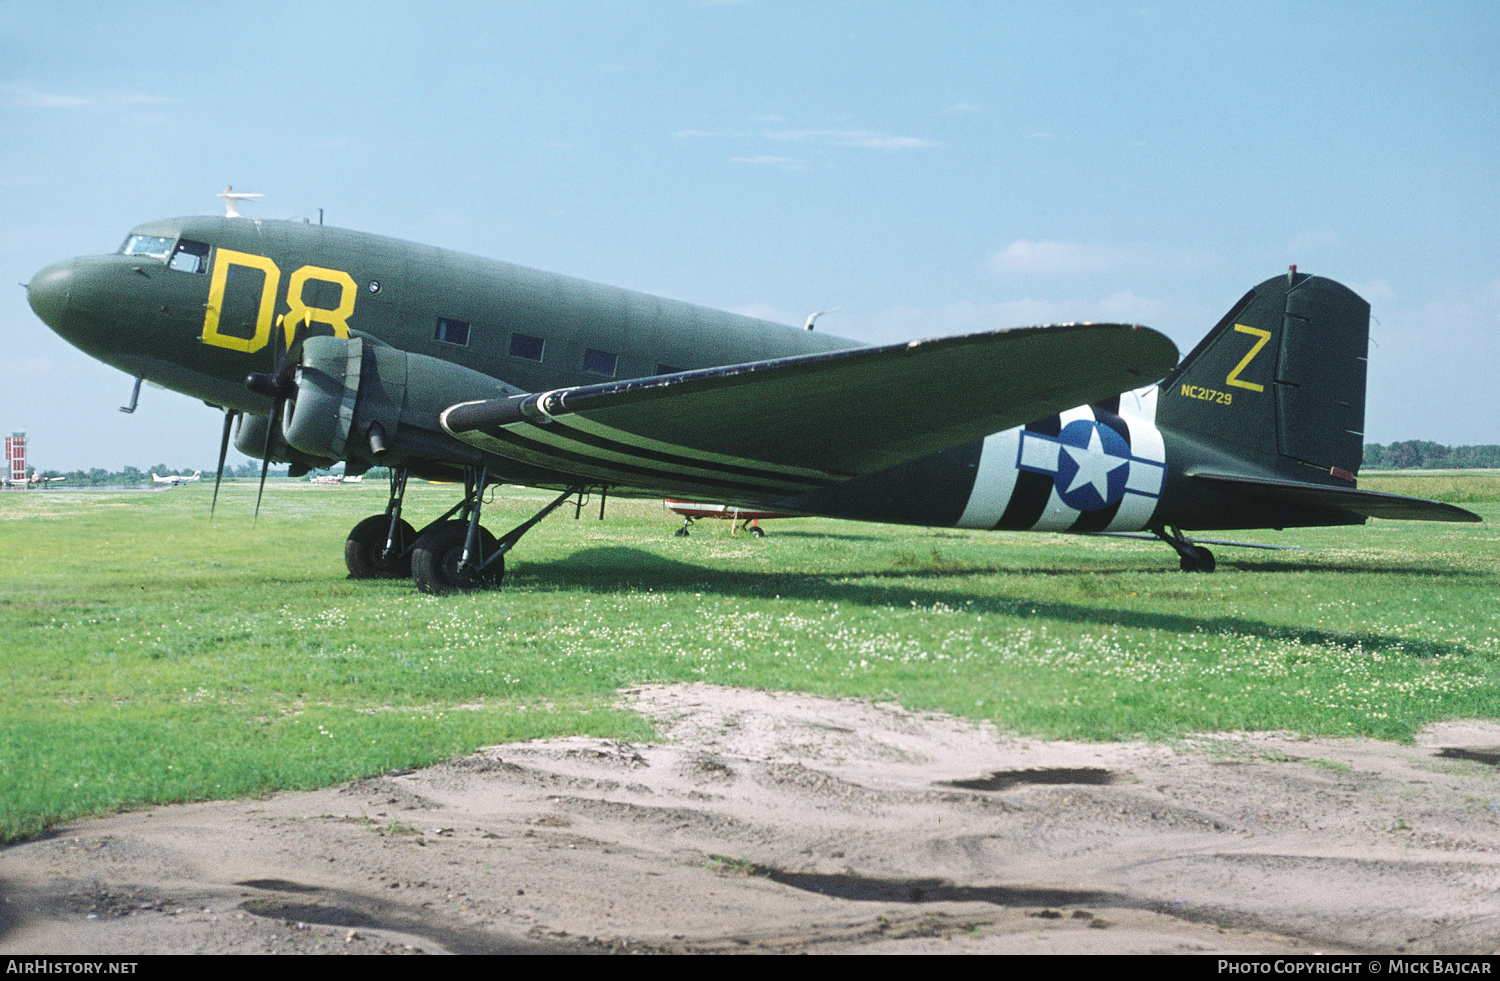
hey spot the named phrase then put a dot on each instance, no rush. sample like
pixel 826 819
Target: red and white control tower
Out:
pixel 15 458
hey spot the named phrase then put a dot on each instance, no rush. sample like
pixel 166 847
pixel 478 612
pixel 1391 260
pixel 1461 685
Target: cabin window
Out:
pixel 526 346
pixel 600 362
pixel 190 257
pixel 452 331
pixel 151 245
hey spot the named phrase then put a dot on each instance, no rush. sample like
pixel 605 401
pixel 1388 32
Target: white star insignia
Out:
pixel 1094 465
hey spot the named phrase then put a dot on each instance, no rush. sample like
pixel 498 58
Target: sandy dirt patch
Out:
pixel 777 822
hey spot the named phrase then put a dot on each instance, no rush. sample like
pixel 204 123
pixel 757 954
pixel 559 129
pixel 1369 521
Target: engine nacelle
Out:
pixel 250 439
pixel 368 402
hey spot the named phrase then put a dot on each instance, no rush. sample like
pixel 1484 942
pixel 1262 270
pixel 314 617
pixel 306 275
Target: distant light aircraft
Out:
pixel 175 481
pixel 339 346
pixel 693 510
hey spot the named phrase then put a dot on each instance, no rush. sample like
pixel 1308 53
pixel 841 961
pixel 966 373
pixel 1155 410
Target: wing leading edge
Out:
pixel 768 430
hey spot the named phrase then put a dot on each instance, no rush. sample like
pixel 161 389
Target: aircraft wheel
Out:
pixel 366 542
pixel 681 532
pixel 757 532
pixel 1199 559
pixel 436 557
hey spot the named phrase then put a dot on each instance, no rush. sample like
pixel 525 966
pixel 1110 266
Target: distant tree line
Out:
pixel 99 477
pixel 1416 454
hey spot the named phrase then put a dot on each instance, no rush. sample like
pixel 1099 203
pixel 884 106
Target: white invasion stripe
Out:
pixel 598 460
pixel 994 481
pixel 1139 404
pixel 1134 513
pixel 1144 483
pixel 676 482
pixel 593 428
pixel 1146 444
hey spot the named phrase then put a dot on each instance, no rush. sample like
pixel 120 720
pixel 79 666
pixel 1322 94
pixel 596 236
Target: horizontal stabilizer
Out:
pixel 771 429
pixel 1371 504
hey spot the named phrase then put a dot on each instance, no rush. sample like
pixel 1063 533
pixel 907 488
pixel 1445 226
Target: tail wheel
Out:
pixel 1200 560
pixel 437 558
pixel 365 553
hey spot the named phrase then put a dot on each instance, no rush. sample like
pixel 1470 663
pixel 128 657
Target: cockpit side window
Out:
pixel 190 256
pixel 149 245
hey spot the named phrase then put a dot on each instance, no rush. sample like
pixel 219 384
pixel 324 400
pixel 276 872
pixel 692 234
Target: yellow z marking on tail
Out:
pixel 1233 378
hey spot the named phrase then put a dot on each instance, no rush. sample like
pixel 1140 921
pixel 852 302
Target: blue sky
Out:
pixel 926 168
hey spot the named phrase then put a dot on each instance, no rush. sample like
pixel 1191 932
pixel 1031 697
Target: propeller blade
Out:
pixel 279 386
pixel 265 456
pixel 229 417
pixel 291 358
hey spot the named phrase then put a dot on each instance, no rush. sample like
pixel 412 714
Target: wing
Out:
pixel 768 430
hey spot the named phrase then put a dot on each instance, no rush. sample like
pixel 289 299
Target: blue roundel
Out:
pixel 1092 466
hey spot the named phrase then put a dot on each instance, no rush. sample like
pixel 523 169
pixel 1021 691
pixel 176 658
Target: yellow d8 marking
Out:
pixel 223 260
pixel 298 310
pixel 1233 378
pixel 337 318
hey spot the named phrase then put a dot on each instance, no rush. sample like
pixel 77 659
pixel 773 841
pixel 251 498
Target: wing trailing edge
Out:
pixel 768 430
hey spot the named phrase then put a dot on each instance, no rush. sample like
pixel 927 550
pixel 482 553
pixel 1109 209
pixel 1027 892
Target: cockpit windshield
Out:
pixel 151 245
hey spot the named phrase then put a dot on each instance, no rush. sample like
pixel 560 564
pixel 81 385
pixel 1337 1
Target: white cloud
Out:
pixel 1052 257
pixel 20 96
pixel 866 139
pixel 26 97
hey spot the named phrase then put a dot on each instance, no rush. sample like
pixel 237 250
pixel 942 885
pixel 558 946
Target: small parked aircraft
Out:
pixel 334 346
pixel 693 510
pixel 175 481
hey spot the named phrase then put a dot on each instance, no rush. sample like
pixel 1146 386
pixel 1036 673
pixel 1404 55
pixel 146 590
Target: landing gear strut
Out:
pixel 450 555
pixel 751 525
pixel 458 556
pixel 380 547
pixel 1194 558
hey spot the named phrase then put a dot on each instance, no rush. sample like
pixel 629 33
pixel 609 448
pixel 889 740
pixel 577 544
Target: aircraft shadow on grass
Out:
pixel 615 565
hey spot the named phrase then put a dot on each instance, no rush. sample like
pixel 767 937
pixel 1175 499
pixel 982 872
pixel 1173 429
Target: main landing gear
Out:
pixel 1194 558
pixel 450 555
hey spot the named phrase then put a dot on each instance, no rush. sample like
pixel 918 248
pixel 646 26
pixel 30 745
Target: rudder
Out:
pixel 1280 380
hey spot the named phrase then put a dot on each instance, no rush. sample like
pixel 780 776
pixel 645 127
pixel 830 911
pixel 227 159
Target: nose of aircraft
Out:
pixel 48 292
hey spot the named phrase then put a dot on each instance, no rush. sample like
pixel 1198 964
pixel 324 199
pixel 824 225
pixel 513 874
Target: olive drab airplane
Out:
pixel 333 346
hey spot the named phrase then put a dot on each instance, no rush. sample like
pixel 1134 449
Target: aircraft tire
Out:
pixel 757 532
pixel 680 533
pixel 435 559
pixel 366 542
pixel 1200 560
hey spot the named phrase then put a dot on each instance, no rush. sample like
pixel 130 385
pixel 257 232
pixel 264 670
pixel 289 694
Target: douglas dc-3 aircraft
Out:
pixel 337 346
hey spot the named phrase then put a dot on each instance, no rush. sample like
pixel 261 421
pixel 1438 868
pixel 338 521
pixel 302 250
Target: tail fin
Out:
pixel 1280 380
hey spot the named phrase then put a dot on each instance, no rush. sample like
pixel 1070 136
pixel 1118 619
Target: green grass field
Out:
pixel 154 656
